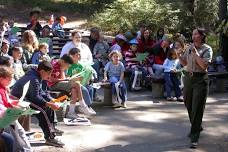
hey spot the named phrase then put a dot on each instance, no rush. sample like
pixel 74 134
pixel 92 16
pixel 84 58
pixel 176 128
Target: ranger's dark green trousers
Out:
pixel 196 87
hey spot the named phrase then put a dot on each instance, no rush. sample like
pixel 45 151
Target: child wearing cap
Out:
pixel 135 67
pixel 115 71
pixel 120 40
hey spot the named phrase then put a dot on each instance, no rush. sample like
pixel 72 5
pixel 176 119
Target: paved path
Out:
pixel 148 125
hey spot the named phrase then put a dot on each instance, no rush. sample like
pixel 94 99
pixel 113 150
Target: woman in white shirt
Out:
pixel 86 55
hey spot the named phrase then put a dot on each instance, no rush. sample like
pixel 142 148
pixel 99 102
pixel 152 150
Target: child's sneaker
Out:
pixel 174 99
pixel 136 88
pixel 97 99
pixel 169 98
pixel 85 110
pixel 193 145
pixel 54 142
pixel 58 132
pixel 92 111
pixel 71 115
pixel 180 99
pixel 124 105
pixel 116 105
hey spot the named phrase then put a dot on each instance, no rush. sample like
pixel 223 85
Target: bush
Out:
pixel 125 15
pixel 175 14
pixel 213 41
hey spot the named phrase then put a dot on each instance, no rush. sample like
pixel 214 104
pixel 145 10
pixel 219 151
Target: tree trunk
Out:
pixel 222 9
pixel 223 38
pixel 191 8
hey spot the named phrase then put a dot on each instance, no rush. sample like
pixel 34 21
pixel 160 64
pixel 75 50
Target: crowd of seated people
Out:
pixel 31 59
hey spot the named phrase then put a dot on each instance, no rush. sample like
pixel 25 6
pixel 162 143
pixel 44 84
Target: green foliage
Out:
pixel 115 15
pixel 175 14
pixel 84 7
pixel 125 14
pixel 213 41
pixel 206 13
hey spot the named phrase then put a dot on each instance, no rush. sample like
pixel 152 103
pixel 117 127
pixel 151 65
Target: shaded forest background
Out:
pixel 120 14
pixel 116 15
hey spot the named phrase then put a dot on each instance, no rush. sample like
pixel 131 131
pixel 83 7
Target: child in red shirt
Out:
pixel 58 81
pixel 6 76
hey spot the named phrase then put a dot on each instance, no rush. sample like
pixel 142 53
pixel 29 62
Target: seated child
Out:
pixel 17 65
pixel 45 34
pixel 5 49
pixel 58 81
pixel 63 20
pixel 40 100
pixel 6 61
pixel 115 70
pixel 4 82
pixel 12 34
pixel 76 67
pixel 120 40
pixel 135 67
pixel 57 28
pixel 20 143
pixel 171 66
pixel 41 54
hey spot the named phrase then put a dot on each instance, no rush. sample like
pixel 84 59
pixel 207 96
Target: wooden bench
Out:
pixel 107 94
pixel 158 88
pixel 218 80
pixel 58 43
pixel 25 122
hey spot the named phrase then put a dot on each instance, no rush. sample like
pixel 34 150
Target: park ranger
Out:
pixel 196 85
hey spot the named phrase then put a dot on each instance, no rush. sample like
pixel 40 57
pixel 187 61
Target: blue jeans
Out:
pixel 172 82
pixel 96 66
pixel 87 93
pixel 9 140
pixel 123 89
pixel 158 70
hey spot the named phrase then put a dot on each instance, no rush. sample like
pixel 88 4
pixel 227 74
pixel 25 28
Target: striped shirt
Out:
pixel 129 55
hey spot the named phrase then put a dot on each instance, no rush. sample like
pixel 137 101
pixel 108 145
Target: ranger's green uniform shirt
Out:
pixel 205 52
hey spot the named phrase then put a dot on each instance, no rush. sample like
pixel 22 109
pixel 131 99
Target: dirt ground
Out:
pixel 20 15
